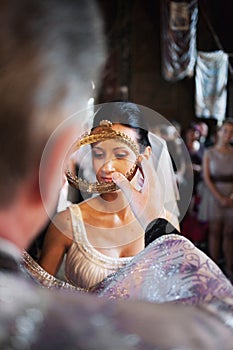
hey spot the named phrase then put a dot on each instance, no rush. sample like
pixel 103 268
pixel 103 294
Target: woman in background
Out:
pixel 217 198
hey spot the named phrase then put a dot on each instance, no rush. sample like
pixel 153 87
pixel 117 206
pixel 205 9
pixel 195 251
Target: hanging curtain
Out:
pixel 178 38
pixel 211 84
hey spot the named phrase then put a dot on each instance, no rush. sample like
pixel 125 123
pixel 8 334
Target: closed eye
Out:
pixel 97 154
pixel 121 155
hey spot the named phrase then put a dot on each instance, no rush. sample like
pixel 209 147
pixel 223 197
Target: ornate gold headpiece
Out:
pixel 101 133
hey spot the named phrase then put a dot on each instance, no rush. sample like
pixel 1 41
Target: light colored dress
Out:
pixel 221 172
pixel 85 266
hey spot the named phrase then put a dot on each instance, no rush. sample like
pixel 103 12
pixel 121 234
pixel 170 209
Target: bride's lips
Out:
pixel 106 179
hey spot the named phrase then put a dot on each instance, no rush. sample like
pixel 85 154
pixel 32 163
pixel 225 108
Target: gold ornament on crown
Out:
pixel 102 132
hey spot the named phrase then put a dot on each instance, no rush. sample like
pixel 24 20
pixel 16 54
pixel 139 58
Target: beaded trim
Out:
pixel 43 277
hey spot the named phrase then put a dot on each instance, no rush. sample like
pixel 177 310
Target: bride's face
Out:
pixel 112 155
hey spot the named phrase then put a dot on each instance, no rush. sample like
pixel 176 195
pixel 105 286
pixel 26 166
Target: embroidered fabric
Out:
pixel 169 269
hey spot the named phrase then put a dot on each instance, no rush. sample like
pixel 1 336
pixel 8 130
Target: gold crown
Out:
pixel 101 133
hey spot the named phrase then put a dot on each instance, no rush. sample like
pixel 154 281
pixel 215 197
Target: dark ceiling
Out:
pixel 217 16
pixel 220 14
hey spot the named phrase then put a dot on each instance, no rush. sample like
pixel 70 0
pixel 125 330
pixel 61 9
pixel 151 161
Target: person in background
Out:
pixel 171 134
pixel 191 139
pixel 46 65
pixel 204 130
pixel 216 206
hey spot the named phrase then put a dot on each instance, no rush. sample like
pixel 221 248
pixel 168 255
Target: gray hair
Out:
pixel 50 50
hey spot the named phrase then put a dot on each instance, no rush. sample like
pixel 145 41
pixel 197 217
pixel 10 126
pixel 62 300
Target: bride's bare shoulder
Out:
pixel 62 220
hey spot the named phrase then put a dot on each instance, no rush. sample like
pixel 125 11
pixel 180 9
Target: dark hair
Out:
pixel 124 113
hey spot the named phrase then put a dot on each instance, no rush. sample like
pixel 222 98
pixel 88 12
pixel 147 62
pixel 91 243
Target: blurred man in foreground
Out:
pixel 50 51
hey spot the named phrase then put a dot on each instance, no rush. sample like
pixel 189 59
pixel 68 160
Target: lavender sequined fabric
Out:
pixel 170 269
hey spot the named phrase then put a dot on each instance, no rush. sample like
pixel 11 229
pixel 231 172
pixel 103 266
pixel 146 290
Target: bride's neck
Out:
pixel 113 202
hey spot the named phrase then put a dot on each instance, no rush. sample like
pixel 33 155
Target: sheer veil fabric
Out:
pixel 163 165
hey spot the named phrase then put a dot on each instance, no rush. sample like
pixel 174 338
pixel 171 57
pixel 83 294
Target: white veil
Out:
pixel 163 166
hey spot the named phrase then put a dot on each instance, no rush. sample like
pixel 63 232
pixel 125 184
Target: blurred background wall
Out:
pixel 134 67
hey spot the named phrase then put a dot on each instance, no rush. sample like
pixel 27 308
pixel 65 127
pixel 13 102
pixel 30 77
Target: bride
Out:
pixel 100 235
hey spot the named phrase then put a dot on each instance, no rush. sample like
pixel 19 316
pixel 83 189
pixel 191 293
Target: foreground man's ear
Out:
pixel 52 167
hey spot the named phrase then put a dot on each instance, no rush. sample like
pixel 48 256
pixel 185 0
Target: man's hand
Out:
pixel 146 204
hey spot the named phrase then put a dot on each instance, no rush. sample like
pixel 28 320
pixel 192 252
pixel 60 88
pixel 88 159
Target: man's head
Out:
pixel 50 51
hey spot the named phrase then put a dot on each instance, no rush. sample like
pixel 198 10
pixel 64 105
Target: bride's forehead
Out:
pixel 111 144
pixel 132 133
